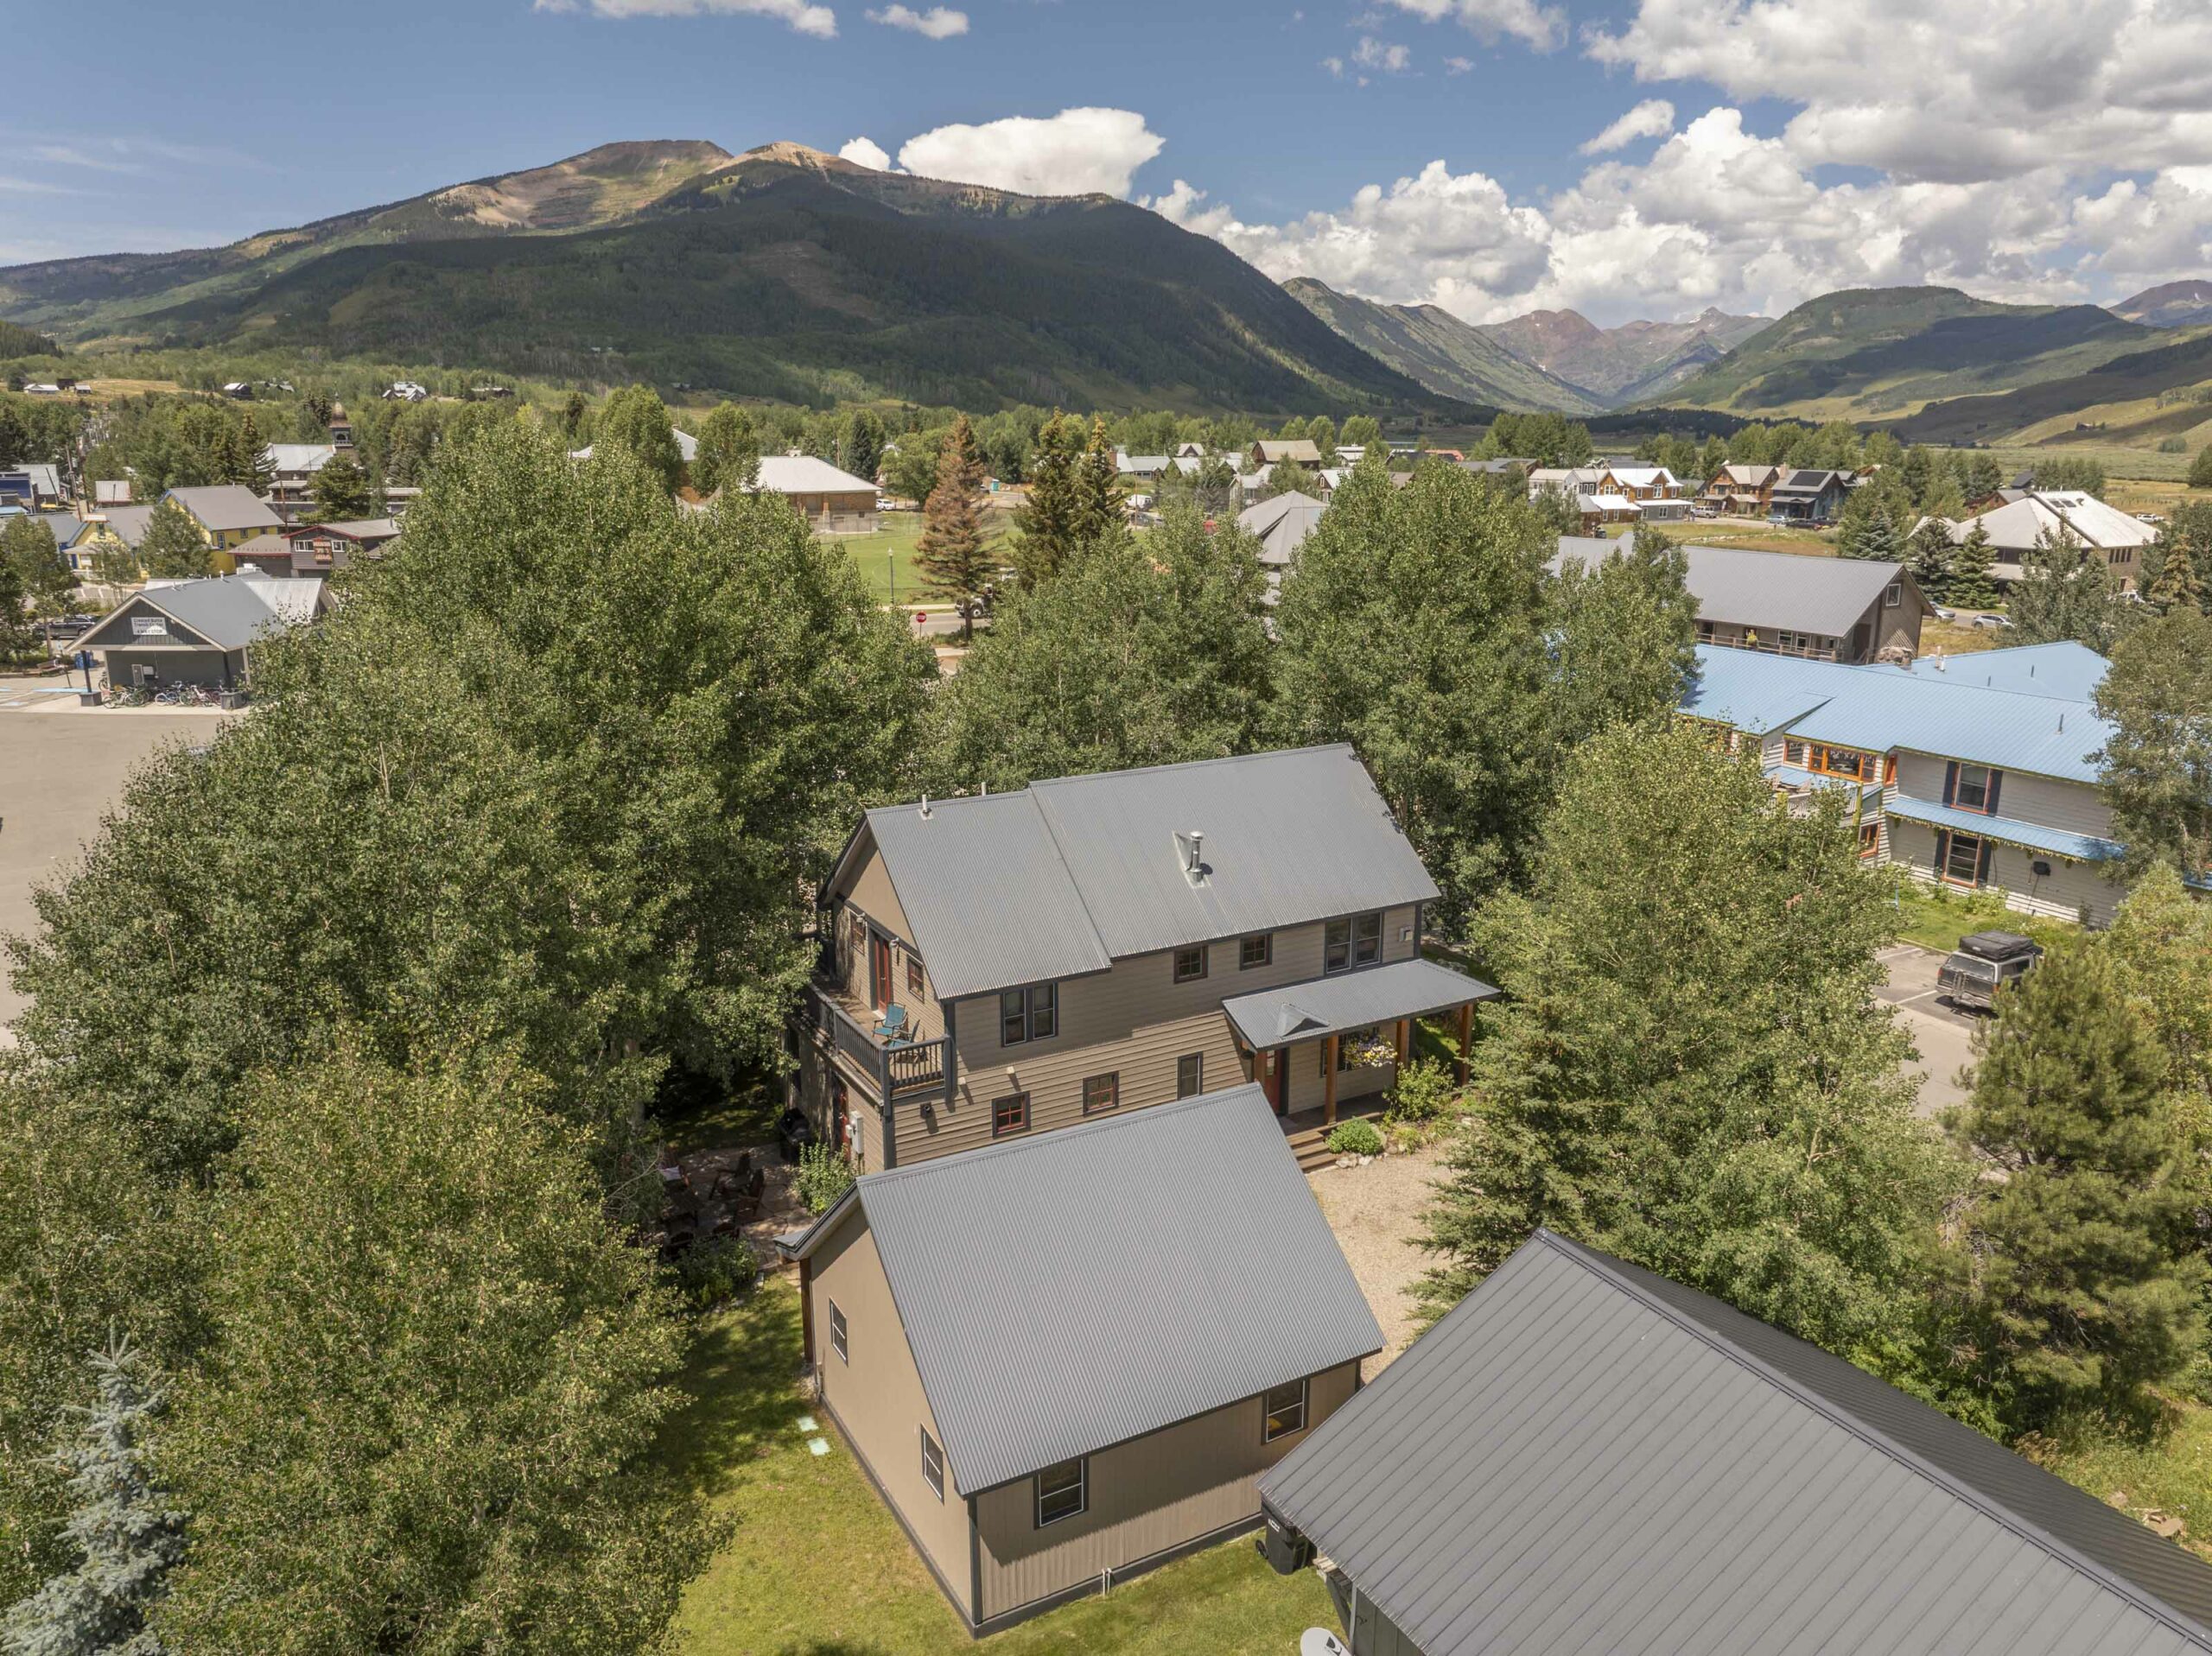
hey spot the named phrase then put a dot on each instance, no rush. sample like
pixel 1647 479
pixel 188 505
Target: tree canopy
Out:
pixel 2155 770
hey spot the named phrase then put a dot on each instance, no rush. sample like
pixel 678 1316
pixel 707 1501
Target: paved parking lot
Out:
pixel 1943 1034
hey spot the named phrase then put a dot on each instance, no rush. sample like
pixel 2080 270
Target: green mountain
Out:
pixel 1452 358
pixel 1635 362
pixel 1865 354
pixel 89 299
pixel 23 342
pixel 2116 402
pixel 782 273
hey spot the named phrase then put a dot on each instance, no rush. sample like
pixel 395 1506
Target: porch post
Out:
pixel 1405 1039
pixel 1466 1036
pixel 1328 1083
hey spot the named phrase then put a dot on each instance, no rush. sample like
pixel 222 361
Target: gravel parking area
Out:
pixel 1375 1212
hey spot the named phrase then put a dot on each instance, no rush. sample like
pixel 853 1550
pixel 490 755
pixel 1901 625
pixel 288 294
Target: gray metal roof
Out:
pixel 1072 874
pixel 220 506
pixel 1350 1000
pixel 1794 591
pixel 1069 1291
pixel 229 612
pixel 1583 1458
pixel 1282 523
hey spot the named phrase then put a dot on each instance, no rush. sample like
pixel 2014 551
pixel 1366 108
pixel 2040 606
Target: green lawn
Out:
pixel 2172 1476
pixel 1937 919
pixel 817 1566
pixel 891 548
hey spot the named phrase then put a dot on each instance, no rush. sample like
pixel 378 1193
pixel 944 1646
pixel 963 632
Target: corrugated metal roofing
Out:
pixel 1074 874
pixel 1583 1457
pixel 804 474
pixel 1069 1291
pixel 1787 590
pixel 2068 670
pixel 2081 847
pixel 221 506
pixel 228 611
pixel 1350 1000
pixel 987 898
pixel 1757 693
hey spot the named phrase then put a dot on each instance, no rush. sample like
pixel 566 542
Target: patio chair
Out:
pixel 891 1027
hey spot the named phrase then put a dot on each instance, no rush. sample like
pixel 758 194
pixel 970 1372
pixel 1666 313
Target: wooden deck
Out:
pixel 1309 1134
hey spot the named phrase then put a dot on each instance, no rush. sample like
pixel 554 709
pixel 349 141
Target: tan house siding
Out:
pixel 1132 1021
pixel 870 891
pixel 1145 1497
pixel 2070 891
pixel 2049 801
pixel 877 1399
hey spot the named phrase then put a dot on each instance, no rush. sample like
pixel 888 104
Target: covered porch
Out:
pixel 1333 1041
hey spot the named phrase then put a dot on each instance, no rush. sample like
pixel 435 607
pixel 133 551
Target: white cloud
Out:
pixel 1528 20
pixel 803 15
pixel 938 23
pixel 1383 56
pixel 1458 65
pixel 1076 152
pixel 62 155
pixel 1653 118
pixel 866 152
pixel 1334 65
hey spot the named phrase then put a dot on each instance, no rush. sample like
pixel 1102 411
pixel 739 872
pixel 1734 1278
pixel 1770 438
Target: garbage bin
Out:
pixel 233 699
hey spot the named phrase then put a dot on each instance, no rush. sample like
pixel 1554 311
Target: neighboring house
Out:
pixel 291 486
pixel 115 492
pixel 1144 468
pixel 1788 604
pixel 834 502
pixel 197 631
pixel 1964 784
pixel 403 390
pixel 314 550
pixel 2015 527
pixel 1270 452
pixel 1190 451
pixel 1646 482
pixel 226 514
pixel 1281 523
pixel 1068 1360
pixel 1001 964
pixel 1742 491
pixel 37 488
pixel 1806 496
pixel 687 446
pixel 1584 1456
pixel 109 528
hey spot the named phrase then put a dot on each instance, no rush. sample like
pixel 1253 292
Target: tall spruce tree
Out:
pixel 126 1532
pixel 2076 1266
pixel 342 490
pixel 1929 553
pixel 2177 584
pixel 1097 489
pixel 1047 522
pixel 174 548
pixel 1972 585
pixel 950 555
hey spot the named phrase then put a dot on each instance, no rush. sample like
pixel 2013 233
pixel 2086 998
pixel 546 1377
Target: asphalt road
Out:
pixel 1943 1034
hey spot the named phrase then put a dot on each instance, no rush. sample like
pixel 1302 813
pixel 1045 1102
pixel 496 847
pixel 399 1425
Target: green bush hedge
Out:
pixel 1356 1138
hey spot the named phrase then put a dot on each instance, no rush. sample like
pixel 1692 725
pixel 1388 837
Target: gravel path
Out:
pixel 1375 1211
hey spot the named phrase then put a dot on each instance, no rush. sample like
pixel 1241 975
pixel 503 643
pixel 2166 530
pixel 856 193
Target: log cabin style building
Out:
pixel 1066 1359
pixel 1003 964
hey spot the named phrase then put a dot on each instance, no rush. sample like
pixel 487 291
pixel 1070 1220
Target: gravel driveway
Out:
pixel 1375 1211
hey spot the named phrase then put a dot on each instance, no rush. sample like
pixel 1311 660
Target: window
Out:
pixel 1063 1491
pixel 914 974
pixel 1962 859
pixel 1255 951
pixel 1352 1040
pixel 932 1464
pixel 1010 1115
pixel 1190 963
pixel 1102 1092
pixel 1031 1015
pixel 1356 940
pixel 1870 840
pixel 1839 762
pixel 838 1339
pixel 1189 1075
pixel 1894 594
pixel 1793 752
pixel 1285 1407
pixel 1971 792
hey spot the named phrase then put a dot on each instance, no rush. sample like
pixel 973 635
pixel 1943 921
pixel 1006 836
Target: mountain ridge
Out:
pixel 1633 362
pixel 2171 304
pixel 1449 357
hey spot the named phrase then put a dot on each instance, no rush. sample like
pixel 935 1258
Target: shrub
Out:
pixel 1356 1138
pixel 2176 444
pixel 1425 1091
pixel 823 1175
pixel 715 1272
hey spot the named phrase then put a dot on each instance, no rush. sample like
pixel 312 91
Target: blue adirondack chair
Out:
pixel 891 1027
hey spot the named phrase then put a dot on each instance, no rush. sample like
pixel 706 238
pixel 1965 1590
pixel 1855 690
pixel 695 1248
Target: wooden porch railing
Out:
pixel 908 1067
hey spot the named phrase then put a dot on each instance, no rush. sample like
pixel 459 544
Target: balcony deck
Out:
pixel 845 1029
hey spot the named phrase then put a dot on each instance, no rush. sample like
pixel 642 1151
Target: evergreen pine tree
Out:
pixel 2065 593
pixel 1929 553
pixel 860 449
pixel 1047 521
pixel 249 464
pixel 950 555
pixel 125 1530
pixel 1097 488
pixel 1971 586
pixel 2176 582
pixel 342 490
pixel 2200 469
pixel 2075 1265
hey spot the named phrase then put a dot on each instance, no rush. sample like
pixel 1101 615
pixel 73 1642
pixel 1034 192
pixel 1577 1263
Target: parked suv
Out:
pixel 1984 963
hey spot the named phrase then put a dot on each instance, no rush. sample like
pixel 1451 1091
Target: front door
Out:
pixel 1280 1058
pixel 878 971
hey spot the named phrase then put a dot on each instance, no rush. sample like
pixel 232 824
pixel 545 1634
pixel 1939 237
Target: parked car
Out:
pixel 1990 621
pixel 1942 615
pixel 1983 963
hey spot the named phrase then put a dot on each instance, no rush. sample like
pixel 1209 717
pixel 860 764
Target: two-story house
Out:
pixel 1741 490
pixel 1807 495
pixel 1956 774
pixel 226 515
pixel 1001 964
pixel 1787 603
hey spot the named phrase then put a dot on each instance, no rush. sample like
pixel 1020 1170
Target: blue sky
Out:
pixel 1759 170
